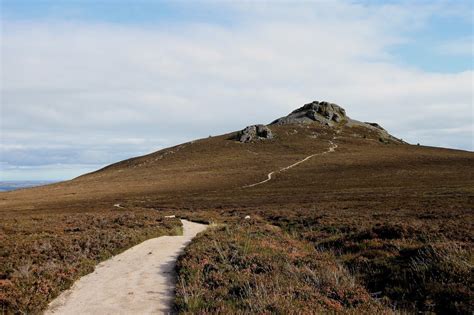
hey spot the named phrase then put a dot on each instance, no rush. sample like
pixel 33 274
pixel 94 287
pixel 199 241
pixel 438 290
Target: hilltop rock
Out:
pixel 323 112
pixel 332 115
pixel 254 132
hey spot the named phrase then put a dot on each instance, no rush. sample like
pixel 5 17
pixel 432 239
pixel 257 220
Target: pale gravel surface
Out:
pixel 137 281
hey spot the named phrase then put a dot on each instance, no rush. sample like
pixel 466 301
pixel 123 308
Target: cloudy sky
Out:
pixel 87 83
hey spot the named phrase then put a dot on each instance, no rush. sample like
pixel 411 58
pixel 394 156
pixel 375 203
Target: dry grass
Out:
pixel 409 261
pixel 256 269
pixel 416 265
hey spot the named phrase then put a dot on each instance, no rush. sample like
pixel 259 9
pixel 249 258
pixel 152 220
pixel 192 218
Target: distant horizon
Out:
pixel 86 84
pixel 19 184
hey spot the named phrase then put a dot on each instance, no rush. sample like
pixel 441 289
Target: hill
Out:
pixel 340 185
pixel 366 156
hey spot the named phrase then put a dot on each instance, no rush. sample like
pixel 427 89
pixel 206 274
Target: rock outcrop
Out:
pixel 323 112
pixel 255 132
pixel 332 115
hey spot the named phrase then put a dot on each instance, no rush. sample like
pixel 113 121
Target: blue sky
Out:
pixel 425 49
pixel 438 29
pixel 87 83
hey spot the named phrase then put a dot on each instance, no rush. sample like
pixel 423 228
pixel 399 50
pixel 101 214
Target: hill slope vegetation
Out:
pixel 394 219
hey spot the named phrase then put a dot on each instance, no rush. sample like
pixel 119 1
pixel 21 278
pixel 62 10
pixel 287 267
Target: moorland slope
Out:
pixel 333 183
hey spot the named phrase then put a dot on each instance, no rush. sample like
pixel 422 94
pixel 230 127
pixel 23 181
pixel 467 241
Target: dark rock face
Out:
pixel 323 112
pixel 254 132
pixel 325 109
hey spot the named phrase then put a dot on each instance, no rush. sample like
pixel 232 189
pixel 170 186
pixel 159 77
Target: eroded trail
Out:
pixel 332 148
pixel 137 281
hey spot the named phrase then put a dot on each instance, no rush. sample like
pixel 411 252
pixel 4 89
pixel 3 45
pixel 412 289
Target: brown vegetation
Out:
pixel 397 217
pixel 410 261
pixel 254 268
pixel 415 261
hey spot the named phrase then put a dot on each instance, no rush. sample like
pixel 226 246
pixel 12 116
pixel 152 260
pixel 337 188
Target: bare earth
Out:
pixel 137 281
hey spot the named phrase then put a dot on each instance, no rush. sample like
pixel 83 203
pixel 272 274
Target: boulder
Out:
pixel 255 132
pixel 324 113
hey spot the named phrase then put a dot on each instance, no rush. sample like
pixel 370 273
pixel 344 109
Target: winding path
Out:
pixel 332 148
pixel 137 281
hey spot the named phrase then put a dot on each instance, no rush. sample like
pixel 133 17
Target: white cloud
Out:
pixel 86 86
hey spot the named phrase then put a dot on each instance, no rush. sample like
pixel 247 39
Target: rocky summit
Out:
pixel 323 112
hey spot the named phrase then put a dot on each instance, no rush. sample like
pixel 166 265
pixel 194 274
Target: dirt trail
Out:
pixel 332 148
pixel 137 281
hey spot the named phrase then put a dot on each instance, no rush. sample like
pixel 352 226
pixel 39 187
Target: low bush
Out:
pixel 256 268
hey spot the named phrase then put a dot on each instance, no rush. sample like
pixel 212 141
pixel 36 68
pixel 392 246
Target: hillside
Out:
pixel 219 167
pixel 327 171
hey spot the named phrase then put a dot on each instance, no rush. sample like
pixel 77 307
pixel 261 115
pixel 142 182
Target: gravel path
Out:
pixel 137 281
pixel 332 148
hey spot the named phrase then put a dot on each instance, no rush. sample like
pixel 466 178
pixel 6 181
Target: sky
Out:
pixel 88 83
